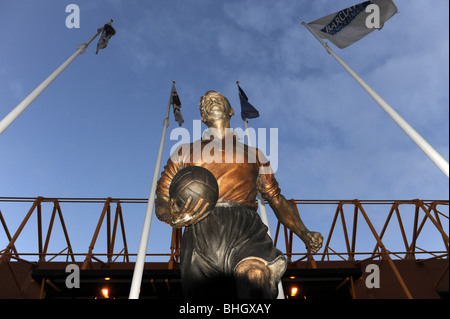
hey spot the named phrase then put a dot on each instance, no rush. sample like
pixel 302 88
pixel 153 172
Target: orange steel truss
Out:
pixel 379 252
pixel 340 243
pixel 429 208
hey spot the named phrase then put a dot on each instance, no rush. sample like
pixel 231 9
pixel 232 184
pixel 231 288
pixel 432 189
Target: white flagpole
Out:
pixel 140 260
pixel 437 159
pixel 8 119
pixel 262 207
pixel 263 211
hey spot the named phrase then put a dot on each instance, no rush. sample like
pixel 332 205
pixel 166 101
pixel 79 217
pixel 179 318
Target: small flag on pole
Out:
pixel 347 26
pixel 107 32
pixel 248 111
pixel 176 106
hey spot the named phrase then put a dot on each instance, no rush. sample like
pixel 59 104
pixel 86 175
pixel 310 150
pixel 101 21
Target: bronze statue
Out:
pixel 226 252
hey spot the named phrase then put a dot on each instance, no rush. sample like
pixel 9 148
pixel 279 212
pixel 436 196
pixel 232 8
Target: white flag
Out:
pixel 347 26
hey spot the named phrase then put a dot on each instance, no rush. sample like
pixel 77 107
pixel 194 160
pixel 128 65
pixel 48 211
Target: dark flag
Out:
pixel 176 106
pixel 107 32
pixel 248 111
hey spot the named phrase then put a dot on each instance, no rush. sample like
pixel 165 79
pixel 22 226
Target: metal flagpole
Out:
pixel 262 207
pixel 263 211
pixel 437 159
pixel 8 119
pixel 139 266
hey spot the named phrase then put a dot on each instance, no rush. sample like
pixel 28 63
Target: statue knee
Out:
pixel 257 278
pixel 256 275
pixel 253 279
pixel 253 269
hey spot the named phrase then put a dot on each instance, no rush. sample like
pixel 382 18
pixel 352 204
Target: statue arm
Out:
pixel 162 209
pixel 287 215
pixel 284 211
pixel 191 213
pixel 290 218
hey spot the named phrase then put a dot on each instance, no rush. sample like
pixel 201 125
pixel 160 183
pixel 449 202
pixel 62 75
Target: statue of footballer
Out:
pixel 225 248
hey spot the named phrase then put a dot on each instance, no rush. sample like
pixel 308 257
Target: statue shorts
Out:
pixel 212 248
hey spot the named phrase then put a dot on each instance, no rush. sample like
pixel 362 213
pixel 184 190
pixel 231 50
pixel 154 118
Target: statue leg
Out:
pixel 257 278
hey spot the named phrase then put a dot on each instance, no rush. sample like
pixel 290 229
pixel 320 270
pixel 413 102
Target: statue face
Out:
pixel 215 107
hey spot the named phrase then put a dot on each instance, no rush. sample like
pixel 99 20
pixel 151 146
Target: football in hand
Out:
pixel 196 182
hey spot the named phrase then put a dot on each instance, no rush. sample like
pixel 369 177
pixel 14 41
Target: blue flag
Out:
pixel 248 111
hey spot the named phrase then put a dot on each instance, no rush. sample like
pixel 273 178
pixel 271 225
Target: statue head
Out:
pixel 215 107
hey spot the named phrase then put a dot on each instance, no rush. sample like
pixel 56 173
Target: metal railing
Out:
pixel 364 235
pixel 340 243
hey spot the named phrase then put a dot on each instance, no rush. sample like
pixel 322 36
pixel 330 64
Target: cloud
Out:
pixel 16 88
pixel 336 141
pixel 263 17
pixel 419 90
pixel 164 36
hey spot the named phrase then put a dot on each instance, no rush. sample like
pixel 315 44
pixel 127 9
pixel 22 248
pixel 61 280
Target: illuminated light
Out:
pixel 107 278
pixel 292 277
pixel 105 293
pixel 294 291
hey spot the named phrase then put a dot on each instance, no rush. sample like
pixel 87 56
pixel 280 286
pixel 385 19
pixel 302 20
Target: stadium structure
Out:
pixel 373 250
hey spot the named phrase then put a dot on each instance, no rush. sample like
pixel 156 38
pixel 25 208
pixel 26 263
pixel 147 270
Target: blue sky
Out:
pixel 95 131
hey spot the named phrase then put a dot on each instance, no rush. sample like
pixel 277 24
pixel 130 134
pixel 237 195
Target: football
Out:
pixel 194 181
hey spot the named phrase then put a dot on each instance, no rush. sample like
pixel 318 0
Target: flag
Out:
pixel 107 32
pixel 248 111
pixel 176 106
pixel 347 26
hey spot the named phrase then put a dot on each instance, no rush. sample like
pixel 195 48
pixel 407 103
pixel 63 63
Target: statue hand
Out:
pixel 313 240
pixel 188 214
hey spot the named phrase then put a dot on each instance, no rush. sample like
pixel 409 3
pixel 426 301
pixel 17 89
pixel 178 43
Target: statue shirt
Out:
pixel 241 171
